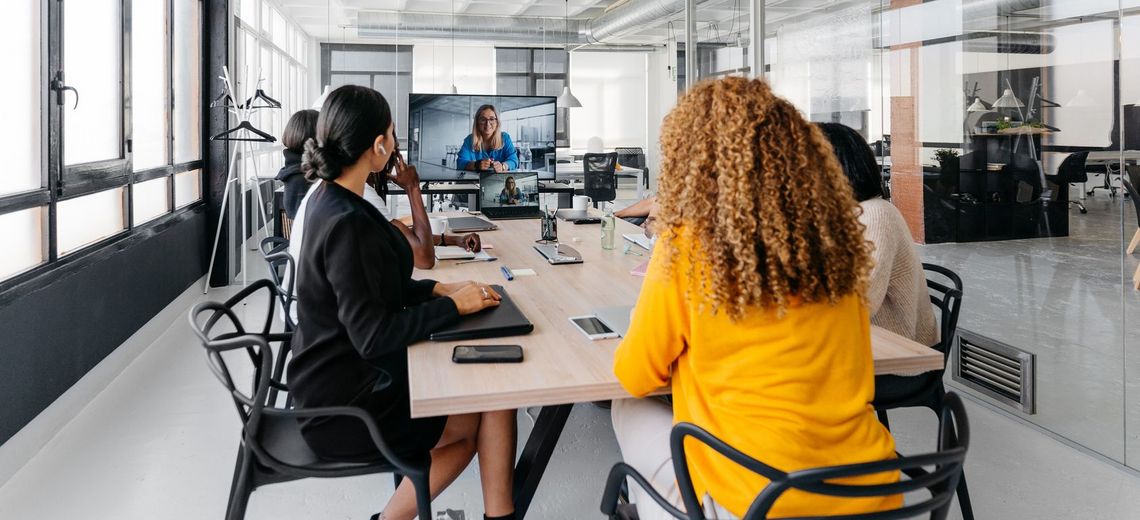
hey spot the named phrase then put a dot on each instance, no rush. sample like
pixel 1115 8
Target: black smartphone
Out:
pixel 487 354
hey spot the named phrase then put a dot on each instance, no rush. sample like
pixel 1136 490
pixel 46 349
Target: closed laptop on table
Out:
pixel 504 320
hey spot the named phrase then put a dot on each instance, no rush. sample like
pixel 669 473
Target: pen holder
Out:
pixel 549 227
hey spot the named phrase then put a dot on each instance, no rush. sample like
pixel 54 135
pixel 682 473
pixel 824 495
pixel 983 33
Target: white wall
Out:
pixel 661 93
pixel 432 68
pixel 612 88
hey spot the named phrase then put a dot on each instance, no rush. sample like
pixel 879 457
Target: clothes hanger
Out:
pixel 225 100
pixel 263 97
pixel 228 135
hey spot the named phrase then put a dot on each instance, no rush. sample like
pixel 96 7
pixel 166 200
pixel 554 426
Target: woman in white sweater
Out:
pixel 899 301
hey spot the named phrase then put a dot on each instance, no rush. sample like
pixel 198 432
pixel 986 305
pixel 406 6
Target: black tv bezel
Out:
pixel 553 99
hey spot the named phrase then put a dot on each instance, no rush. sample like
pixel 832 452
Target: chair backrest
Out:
pixel 598 170
pixel 945 288
pixel 941 481
pixel 283 272
pixel 631 156
pixel 1072 169
pixel 1131 182
pixel 220 330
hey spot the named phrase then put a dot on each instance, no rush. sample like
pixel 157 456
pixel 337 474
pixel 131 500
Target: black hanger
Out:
pixel 224 101
pixel 244 125
pixel 267 101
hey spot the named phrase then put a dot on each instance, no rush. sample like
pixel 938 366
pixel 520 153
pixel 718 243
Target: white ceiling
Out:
pixel 334 20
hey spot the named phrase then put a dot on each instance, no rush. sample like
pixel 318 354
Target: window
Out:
pixel 385 68
pixel 150 93
pixel 534 72
pixel 90 218
pixel 21 233
pixel 112 163
pixel 21 130
pixel 92 58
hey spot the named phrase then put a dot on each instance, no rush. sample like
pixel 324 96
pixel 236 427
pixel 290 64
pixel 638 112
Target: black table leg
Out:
pixel 536 454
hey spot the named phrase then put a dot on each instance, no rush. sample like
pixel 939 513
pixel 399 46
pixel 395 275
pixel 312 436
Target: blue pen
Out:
pixel 507 273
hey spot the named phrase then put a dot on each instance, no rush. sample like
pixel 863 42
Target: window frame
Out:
pixel 61 182
pixel 561 138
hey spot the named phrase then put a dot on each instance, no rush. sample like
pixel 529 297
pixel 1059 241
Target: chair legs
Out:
pixel 242 485
pixel 423 494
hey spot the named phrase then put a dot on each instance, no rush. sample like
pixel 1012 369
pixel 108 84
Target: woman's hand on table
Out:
pixel 474 297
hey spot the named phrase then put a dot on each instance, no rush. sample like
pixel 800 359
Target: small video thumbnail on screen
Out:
pixel 505 189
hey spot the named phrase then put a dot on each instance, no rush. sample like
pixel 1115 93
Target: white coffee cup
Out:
pixel 438 225
pixel 581 201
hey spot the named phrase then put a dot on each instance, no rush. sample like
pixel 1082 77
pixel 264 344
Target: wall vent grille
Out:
pixel 998 370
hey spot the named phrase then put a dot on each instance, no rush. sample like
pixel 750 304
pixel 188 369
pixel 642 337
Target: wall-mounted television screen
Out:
pixel 454 136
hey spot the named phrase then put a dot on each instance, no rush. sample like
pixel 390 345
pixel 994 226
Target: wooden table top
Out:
pixel 560 364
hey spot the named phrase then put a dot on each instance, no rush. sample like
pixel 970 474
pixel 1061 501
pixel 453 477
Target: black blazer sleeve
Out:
pixel 419 291
pixel 376 323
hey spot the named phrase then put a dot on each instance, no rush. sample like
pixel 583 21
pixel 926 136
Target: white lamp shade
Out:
pixel 1081 99
pixel 454 90
pixel 977 106
pixel 321 98
pixel 1008 100
pixel 567 99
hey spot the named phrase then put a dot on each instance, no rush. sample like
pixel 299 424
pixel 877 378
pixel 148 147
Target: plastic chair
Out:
pixel 953 443
pixel 927 389
pixel 283 272
pixel 598 170
pixel 1072 170
pixel 272 449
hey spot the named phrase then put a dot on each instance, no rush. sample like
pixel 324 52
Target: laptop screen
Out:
pixel 508 189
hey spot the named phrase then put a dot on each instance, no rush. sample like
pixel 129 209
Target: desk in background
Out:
pixel 561 366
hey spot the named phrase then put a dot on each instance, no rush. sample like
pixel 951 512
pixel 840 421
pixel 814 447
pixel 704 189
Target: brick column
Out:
pixel 906 169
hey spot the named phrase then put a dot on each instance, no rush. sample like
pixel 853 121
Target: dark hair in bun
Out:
pixel 351 119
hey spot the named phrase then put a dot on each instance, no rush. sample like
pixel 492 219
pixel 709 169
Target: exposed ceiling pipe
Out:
pixel 618 21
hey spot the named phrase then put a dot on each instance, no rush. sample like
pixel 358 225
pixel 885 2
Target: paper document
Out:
pixel 453 253
pixel 639 239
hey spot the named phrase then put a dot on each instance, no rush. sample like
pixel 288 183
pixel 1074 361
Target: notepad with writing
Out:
pixel 640 269
pixel 453 253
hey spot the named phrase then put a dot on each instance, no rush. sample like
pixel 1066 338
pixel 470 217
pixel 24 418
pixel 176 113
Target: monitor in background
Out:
pixel 439 125
pixel 508 189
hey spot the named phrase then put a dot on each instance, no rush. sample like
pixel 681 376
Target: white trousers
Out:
pixel 642 427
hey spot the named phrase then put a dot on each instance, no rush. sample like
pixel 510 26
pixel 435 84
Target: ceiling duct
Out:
pixel 619 21
pixel 973 10
pixel 1009 43
pixel 389 24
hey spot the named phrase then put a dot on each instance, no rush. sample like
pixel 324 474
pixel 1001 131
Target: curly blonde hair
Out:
pixel 771 215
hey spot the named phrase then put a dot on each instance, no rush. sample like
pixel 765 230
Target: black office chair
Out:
pixel 927 389
pixel 633 157
pixel 1071 171
pixel 953 442
pixel 272 449
pixel 598 170
pixel 283 272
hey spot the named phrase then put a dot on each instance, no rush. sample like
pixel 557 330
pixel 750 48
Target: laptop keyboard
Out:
pixel 511 211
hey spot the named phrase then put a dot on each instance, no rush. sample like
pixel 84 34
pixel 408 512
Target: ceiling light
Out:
pixel 977 106
pixel 567 98
pixel 1008 100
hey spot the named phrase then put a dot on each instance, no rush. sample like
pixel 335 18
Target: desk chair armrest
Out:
pixel 406 467
pixel 618 474
pixel 271 245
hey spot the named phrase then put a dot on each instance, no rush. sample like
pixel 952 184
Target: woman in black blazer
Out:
pixel 360 309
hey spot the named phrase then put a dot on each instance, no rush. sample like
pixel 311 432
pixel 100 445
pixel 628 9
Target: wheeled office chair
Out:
pixel 633 157
pixel 927 389
pixel 272 449
pixel 1071 171
pixel 598 171
pixel 953 442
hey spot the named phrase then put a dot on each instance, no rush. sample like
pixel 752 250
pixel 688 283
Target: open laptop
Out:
pixel 499 203
pixel 495 322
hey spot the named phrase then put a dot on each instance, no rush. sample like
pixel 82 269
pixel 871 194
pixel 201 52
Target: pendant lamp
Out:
pixel 567 98
pixel 977 106
pixel 1008 100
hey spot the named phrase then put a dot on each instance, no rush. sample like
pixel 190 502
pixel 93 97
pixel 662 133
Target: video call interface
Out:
pixel 495 193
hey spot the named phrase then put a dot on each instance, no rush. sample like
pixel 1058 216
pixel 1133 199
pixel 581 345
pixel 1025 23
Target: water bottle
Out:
pixel 609 225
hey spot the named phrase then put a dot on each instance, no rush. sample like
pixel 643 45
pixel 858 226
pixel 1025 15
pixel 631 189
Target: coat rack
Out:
pixel 243 132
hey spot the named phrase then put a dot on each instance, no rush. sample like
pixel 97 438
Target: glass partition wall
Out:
pixel 1006 129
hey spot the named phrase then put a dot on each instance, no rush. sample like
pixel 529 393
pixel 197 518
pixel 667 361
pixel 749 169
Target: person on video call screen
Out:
pixel 487 147
pixel 507 190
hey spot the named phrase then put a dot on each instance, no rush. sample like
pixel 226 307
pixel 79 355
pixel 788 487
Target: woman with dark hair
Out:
pixel 301 127
pixel 897 292
pixel 487 147
pixel 360 309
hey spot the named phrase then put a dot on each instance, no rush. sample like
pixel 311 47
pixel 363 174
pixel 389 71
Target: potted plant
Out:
pixel 948 168
pixel 945 155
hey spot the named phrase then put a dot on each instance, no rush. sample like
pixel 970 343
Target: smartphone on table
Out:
pixel 593 328
pixel 487 354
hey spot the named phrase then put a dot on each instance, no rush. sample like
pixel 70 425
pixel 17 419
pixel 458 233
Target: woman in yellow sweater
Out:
pixel 753 309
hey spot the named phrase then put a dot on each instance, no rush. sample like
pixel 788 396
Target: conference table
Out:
pixel 561 366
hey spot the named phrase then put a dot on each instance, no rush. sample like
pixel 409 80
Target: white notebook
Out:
pixel 639 239
pixel 453 253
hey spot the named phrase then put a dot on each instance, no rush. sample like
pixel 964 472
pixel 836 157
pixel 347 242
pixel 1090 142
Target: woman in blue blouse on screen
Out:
pixel 487 148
